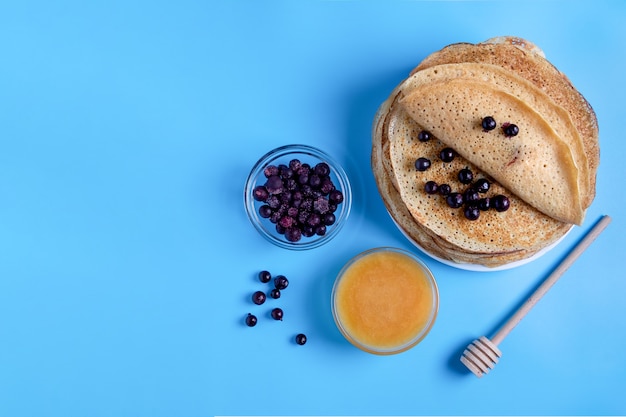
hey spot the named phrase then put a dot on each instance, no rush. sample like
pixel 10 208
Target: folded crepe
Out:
pixel 501 79
pixel 526 60
pixel 494 240
pixel 548 109
pixel 536 165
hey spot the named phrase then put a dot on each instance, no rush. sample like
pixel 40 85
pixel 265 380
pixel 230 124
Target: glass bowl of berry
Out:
pixel 297 197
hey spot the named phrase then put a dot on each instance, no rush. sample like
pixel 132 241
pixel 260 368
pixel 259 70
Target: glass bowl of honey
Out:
pixel 385 300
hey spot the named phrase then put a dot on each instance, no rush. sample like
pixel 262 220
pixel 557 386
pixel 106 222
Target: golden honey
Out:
pixel 385 301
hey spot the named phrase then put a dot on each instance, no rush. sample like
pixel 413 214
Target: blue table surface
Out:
pixel 127 129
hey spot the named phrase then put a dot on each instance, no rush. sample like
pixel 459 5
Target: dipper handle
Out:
pixel 551 279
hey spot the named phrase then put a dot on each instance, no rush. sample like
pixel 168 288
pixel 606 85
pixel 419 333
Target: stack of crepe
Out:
pixel 548 170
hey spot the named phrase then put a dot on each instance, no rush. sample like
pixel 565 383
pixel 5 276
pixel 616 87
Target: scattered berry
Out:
pixel 422 164
pixel 277 314
pixel 454 200
pixel 431 187
pixel 444 189
pixel 265 277
pixel 481 185
pixel 447 154
pixel 251 320
pixel 501 203
pixel 470 196
pixel 488 123
pixel 471 212
pixel 281 282
pixel 301 339
pixel 424 136
pixel 275 293
pixel 258 297
pixel 510 130
pixel 484 204
pixel 465 176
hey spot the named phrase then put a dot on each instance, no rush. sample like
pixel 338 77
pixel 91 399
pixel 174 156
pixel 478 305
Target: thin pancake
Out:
pixel 521 58
pixel 544 234
pixel 536 165
pixel 556 116
pixel 513 235
pixel 528 230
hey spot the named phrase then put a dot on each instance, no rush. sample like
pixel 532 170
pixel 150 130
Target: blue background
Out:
pixel 127 129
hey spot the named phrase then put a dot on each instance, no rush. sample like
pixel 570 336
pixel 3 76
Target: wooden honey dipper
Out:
pixel 482 354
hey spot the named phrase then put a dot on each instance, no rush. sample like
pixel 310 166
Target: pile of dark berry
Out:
pixel 259 297
pixel 299 199
pixel 472 199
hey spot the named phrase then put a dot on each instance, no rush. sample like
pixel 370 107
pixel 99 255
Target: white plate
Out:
pixel 482 268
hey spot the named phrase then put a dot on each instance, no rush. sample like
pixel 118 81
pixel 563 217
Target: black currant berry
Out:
pixel 275 293
pixel 471 212
pixel 260 193
pixel 481 185
pixel 422 164
pixel 258 297
pixel 444 189
pixel 322 169
pixel 274 185
pixel 265 277
pixel 293 234
pixel 488 123
pixel 484 204
pixel 277 314
pixel 270 170
pixel 447 154
pixel 329 219
pixel 335 197
pixel 510 130
pixel 251 320
pixel 454 200
pixel 295 164
pixel 470 196
pixel 301 339
pixel 265 211
pixel 501 203
pixel 281 282
pixel 431 187
pixel 465 176
pixel 424 136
